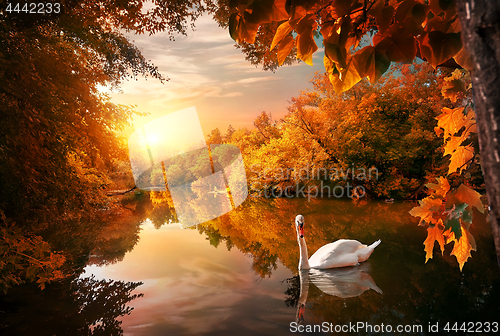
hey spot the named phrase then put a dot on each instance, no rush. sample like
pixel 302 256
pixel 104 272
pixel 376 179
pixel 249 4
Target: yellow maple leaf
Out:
pixel 449 236
pixel 473 128
pixel 439 131
pixel 460 157
pixel 441 187
pixel 469 122
pixel 433 234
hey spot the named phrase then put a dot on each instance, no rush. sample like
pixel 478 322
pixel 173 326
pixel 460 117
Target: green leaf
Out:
pixel 460 208
pixel 454 224
pixel 467 216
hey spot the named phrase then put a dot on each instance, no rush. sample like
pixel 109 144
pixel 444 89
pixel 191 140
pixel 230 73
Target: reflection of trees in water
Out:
pixel 79 307
pixel 293 291
pixel 264 263
pixel 120 231
pixel 83 306
pixel 100 302
pixel 414 292
pixel 214 236
pixel 264 228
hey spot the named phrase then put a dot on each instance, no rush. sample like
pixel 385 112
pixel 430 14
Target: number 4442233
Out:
pixel 472 327
pixel 34 8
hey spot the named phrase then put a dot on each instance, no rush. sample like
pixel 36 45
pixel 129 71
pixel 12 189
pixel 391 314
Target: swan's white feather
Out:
pixel 343 252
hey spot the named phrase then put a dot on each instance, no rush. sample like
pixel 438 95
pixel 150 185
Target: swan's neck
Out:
pixel 304 286
pixel 304 289
pixel 303 261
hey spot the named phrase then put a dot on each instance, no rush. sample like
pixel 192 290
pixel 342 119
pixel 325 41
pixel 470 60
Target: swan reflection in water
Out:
pixel 346 282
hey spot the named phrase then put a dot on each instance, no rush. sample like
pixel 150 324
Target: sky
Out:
pixel 208 72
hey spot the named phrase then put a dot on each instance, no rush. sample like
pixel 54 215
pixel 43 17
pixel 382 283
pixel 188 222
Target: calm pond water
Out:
pixel 237 275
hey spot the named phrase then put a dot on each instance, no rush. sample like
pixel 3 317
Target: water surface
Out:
pixel 238 274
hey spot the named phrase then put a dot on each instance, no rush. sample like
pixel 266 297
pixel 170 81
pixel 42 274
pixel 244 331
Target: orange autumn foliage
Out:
pixel 434 234
pixel 453 207
pixel 401 31
pixel 462 247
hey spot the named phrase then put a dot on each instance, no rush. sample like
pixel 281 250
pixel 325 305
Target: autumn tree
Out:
pixel 265 126
pixel 215 137
pixel 229 133
pixel 59 134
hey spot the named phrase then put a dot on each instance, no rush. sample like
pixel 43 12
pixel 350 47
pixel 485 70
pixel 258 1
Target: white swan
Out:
pixel 341 253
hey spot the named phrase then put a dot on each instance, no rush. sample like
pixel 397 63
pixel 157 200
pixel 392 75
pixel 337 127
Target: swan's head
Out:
pixel 299 225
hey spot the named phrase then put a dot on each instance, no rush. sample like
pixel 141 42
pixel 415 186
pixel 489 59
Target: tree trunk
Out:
pixel 480 21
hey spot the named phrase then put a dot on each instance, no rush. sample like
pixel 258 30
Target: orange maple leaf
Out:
pixel 426 209
pixel 453 86
pixel 462 247
pixel 464 194
pixel 453 143
pixel 460 157
pixel 433 234
pixel 451 120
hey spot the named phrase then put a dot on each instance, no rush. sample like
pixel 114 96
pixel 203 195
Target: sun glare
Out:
pixel 153 139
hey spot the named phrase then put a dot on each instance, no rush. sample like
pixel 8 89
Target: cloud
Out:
pixel 207 71
pixel 252 80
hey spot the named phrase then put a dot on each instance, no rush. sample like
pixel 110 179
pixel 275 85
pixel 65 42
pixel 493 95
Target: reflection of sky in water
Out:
pixel 190 287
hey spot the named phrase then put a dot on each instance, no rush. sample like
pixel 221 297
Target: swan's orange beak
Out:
pixel 301 230
pixel 300 314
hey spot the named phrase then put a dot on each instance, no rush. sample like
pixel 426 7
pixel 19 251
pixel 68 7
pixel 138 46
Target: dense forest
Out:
pixel 380 137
